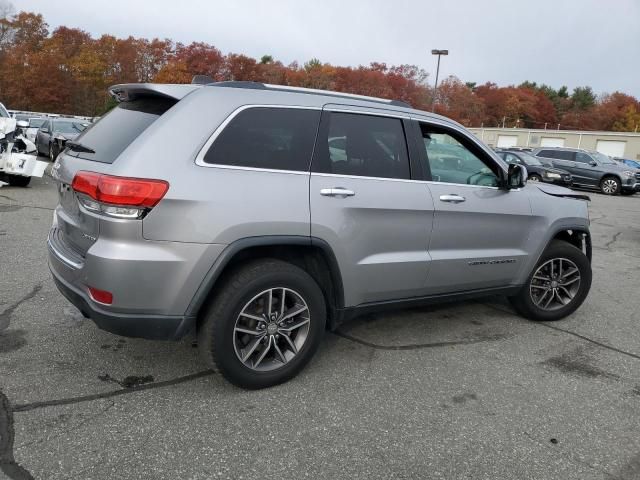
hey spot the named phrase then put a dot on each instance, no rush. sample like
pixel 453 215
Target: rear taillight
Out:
pixel 121 197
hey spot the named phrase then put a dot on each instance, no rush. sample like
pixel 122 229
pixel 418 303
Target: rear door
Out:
pixel 480 230
pixel 367 204
pixel 564 159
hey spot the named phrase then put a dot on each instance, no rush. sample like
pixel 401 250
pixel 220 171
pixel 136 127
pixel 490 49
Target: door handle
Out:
pixel 452 198
pixel 337 192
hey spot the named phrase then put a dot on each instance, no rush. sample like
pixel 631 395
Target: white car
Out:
pixel 34 125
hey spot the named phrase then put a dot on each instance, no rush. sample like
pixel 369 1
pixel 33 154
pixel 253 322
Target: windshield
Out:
pixel 602 158
pixel 632 163
pixel 36 122
pixel 68 127
pixel 530 159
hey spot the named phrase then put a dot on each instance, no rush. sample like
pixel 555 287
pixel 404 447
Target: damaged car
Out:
pixel 53 135
pixel 17 160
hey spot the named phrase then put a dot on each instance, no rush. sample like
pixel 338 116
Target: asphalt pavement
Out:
pixel 465 390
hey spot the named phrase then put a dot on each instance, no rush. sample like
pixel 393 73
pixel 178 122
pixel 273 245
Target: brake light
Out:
pixel 101 296
pixel 108 191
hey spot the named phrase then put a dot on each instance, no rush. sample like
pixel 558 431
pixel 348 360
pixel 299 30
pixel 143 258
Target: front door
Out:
pixel 586 170
pixel 366 205
pixel 480 231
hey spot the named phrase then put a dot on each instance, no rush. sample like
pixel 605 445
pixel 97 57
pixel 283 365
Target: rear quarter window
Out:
pixel 115 131
pixel 267 137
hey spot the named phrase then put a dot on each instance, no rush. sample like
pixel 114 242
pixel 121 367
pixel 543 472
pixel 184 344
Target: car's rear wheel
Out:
pixel 17 180
pixel 610 186
pixel 558 285
pixel 264 324
pixel 534 177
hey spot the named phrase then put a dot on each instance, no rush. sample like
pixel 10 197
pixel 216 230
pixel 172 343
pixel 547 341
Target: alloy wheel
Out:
pixel 609 186
pixel 271 329
pixel 555 284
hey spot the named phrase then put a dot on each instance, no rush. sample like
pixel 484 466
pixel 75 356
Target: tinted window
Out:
pixel 583 157
pixel 452 161
pixel 36 122
pixel 116 130
pixel 64 126
pixel 363 145
pixel 559 154
pixel 3 112
pixel 274 138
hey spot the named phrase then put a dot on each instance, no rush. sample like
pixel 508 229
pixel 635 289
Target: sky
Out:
pixel 557 42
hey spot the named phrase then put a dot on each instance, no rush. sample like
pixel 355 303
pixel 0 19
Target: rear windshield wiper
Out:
pixel 78 147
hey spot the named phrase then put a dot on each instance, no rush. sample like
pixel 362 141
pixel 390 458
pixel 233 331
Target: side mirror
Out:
pixel 593 163
pixel 22 124
pixel 516 176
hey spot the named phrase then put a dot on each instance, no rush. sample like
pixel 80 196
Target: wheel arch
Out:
pixel 313 255
pixel 576 235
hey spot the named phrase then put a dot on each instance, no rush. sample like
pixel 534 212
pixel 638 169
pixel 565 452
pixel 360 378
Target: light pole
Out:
pixel 439 53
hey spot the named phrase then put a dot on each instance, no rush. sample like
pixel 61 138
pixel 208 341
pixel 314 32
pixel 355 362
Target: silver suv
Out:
pixel 258 216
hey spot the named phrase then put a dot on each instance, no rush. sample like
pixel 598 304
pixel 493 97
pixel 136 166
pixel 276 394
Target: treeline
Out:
pixel 68 71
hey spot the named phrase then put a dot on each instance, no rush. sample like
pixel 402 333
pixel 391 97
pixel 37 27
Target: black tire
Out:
pixel 534 177
pixel 216 336
pixel 523 303
pixel 627 192
pixel 53 154
pixel 18 180
pixel 607 182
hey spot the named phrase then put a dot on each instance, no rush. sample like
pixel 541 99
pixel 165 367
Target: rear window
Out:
pixel 115 131
pixel 265 137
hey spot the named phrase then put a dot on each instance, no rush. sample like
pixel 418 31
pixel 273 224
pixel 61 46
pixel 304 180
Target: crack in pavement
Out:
pixel 8 463
pixel 19 205
pixel 569 332
pixel 417 346
pixel 25 407
pixel 612 241
pixel 5 316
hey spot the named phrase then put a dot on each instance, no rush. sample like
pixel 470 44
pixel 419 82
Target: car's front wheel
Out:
pixel 610 186
pixel 534 177
pixel 264 324
pixel 558 285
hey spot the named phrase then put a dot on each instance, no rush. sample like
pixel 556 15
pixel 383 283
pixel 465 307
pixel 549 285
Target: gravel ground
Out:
pixel 466 390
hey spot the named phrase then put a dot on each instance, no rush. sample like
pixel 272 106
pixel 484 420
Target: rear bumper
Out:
pixel 152 327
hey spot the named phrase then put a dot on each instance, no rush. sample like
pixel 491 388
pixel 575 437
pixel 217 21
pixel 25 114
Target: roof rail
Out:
pixel 308 91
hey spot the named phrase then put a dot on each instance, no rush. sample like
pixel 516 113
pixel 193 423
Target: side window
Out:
pixel 273 138
pixel 364 146
pixel 547 154
pixel 564 155
pixel 452 161
pixel 583 157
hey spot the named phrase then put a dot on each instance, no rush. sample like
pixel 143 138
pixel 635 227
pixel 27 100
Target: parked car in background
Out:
pixel 54 133
pixel 283 211
pixel 32 130
pixel 536 170
pixel 628 162
pixel 591 169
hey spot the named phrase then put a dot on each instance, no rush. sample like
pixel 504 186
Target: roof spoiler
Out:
pixel 130 91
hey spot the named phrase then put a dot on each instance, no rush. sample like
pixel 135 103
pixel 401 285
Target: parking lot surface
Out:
pixel 466 390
